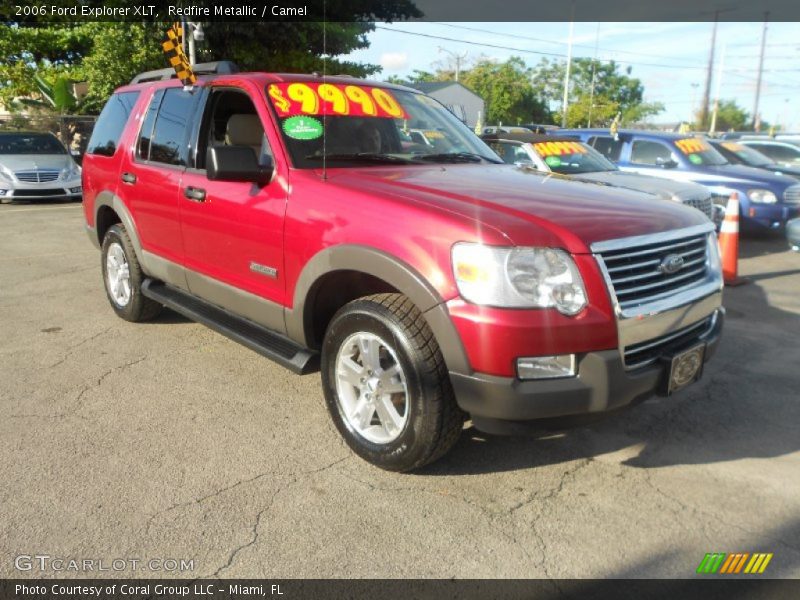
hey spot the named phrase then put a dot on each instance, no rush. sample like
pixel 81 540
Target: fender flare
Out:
pixel 393 271
pixel 114 202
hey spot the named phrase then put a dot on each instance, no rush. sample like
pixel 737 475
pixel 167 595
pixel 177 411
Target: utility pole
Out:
pixel 756 120
pixel 565 103
pixel 703 117
pixel 719 85
pixel 457 59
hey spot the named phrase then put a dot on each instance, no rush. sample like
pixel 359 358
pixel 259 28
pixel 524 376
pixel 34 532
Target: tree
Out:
pixel 109 54
pixel 594 79
pixel 732 116
pixel 506 88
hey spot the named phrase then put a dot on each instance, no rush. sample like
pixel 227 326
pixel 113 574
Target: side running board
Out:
pixel 264 341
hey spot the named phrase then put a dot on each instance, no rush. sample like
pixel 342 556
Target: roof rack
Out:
pixel 220 67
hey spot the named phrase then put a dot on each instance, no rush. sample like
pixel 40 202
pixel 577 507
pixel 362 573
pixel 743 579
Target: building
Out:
pixel 462 101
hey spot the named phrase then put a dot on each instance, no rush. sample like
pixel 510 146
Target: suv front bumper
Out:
pixel 602 384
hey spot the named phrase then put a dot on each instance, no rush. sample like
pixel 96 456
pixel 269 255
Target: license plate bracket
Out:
pixel 683 368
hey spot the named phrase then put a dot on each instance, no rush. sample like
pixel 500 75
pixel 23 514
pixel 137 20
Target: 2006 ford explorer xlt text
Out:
pixel 428 282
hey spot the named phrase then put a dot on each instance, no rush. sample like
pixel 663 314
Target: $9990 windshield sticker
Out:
pixel 292 99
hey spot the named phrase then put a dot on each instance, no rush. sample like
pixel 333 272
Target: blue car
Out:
pixel 766 200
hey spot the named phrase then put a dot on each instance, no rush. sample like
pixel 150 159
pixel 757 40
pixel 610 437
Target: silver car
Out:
pixel 36 166
pixel 577 160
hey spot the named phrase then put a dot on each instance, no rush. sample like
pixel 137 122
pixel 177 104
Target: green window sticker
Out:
pixel 695 159
pixel 302 128
pixel 553 161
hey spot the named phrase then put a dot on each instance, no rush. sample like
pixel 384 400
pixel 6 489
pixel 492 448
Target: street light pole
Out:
pixel 457 58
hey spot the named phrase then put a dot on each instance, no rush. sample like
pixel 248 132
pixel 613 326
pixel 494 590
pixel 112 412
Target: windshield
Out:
pixel 700 152
pixel 356 125
pixel 571 158
pixel 748 156
pixel 30 143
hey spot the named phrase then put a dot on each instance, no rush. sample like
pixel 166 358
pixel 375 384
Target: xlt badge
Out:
pixel 263 269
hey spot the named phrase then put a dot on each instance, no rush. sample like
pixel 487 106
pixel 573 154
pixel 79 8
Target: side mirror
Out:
pixel 666 163
pixel 237 163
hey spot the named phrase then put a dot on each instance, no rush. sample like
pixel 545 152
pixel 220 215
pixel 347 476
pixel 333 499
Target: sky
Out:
pixel 669 58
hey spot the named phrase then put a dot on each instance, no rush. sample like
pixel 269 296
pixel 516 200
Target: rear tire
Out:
pixel 123 277
pixel 386 385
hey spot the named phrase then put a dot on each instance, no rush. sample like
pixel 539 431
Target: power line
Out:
pixel 523 51
pixel 544 41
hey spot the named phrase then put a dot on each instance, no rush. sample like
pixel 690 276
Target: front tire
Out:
pixel 123 277
pixel 386 385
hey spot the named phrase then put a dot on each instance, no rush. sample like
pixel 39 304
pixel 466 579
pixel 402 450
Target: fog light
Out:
pixel 3 192
pixel 546 367
pixel 75 190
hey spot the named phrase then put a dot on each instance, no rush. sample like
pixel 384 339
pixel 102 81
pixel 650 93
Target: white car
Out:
pixel 36 166
pixel 784 153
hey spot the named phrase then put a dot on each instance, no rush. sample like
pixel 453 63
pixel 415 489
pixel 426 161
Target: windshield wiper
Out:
pixel 470 157
pixel 362 156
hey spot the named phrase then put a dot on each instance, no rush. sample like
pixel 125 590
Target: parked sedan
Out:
pixel 567 156
pixel 784 152
pixel 739 154
pixel 36 166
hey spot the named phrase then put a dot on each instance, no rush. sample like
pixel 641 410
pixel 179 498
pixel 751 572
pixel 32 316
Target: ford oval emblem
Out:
pixel 671 264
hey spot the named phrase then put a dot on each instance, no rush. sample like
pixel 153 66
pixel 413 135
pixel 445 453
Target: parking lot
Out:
pixel 166 440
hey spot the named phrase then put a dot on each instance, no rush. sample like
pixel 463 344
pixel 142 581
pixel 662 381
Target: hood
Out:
pixel 519 202
pixel 745 174
pixel 663 188
pixel 29 162
pixel 777 169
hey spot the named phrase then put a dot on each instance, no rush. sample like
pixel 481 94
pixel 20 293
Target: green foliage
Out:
pixel 506 88
pixel 610 85
pixel 119 52
pixel 731 116
pixel 597 112
pixel 108 54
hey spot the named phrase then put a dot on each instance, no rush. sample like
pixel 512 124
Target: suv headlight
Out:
pixel 518 277
pixel 762 196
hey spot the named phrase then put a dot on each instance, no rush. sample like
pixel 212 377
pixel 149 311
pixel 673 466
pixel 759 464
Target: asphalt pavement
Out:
pixel 166 441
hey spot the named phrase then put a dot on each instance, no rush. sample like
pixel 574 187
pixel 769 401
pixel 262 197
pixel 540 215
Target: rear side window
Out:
pixel 110 123
pixel 645 152
pixel 169 142
pixel 607 146
pixel 143 143
pixel 778 153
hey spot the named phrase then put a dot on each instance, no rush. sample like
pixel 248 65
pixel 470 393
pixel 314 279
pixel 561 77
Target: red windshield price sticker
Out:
pixel 692 145
pixel 292 99
pixel 546 149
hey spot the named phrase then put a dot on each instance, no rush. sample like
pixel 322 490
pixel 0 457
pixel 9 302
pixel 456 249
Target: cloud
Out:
pixel 394 61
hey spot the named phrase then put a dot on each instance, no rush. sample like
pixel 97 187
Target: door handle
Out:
pixel 194 194
pixel 128 178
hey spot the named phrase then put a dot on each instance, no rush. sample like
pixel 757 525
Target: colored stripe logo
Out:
pixel 735 563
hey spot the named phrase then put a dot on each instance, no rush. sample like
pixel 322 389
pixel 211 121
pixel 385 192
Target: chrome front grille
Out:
pixel 648 352
pixel 792 194
pixel 37 176
pixel 703 204
pixel 645 273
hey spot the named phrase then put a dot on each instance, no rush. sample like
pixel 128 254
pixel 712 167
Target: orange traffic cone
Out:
pixel 729 243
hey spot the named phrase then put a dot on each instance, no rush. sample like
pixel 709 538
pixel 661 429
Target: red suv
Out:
pixel 429 283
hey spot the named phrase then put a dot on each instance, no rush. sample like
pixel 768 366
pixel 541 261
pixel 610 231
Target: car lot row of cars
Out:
pixel 767 185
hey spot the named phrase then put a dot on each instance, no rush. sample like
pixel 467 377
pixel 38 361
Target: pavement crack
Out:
pixel 297 476
pixel 69 349
pixel 254 534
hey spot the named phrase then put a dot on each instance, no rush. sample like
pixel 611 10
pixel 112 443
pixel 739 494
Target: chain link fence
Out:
pixel 72 130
